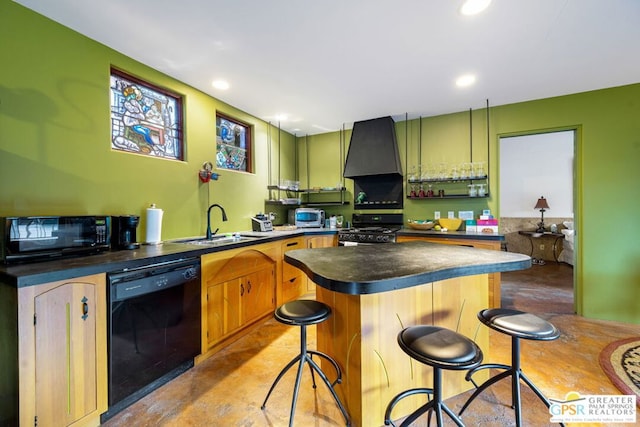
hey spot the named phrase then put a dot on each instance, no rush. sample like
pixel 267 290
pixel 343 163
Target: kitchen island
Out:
pixel 377 290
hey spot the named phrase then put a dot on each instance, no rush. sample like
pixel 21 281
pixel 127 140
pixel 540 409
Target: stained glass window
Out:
pixel 233 144
pixel 145 119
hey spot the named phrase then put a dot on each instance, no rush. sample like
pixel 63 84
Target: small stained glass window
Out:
pixel 145 119
pixel 233 144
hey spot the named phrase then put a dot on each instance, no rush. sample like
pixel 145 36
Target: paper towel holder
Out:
pixel 154 227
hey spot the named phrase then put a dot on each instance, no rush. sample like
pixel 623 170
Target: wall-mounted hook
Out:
pixel 205 173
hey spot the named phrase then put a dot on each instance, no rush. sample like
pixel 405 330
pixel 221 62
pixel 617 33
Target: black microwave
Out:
pixel 38 238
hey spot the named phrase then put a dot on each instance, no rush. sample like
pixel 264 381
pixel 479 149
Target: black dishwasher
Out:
pixel 153 326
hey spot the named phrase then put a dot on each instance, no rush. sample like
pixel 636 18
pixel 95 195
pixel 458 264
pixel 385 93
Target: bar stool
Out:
pixel 516 324
pixel 441 349
pixel 304 313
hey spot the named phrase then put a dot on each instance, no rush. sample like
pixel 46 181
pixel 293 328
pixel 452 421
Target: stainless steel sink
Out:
pixel 218 240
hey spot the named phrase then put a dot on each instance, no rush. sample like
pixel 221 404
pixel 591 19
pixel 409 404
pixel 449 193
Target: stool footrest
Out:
pixel 471 372
pixel 399 397
pixel 330 360
pixel 437 407
pixel 484 386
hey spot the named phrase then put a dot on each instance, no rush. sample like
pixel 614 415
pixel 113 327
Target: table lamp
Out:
pixel 542 205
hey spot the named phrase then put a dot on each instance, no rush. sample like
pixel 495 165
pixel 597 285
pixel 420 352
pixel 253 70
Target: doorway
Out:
pixel 533 166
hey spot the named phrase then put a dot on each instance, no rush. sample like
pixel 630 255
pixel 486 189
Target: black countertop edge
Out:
pixel 411 264
pixel 30 274
pixel 366 288
pixel 451 234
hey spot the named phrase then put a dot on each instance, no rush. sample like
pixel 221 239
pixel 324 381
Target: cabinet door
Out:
pixel 325 241
pixel 223 310
pixel 225 288
pixel 257 294
pixel 66 370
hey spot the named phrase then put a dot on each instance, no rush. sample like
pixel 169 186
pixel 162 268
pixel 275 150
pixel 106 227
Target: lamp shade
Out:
pixel 542 203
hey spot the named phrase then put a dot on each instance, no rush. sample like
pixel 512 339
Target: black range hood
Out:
pixel 373 149
pixel 373 162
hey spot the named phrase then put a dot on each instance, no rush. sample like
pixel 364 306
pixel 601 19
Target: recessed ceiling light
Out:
pixel 473 7
pixel 466 80
pixel 221 84
pixel 281 117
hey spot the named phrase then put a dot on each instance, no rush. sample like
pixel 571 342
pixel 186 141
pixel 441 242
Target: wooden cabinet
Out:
pixel 494 278
pixel 319 241
pixel 238 288
pixel 62 352
pixel 293 282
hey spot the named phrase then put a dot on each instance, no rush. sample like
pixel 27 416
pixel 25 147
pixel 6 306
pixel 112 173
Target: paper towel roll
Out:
pixel 154 225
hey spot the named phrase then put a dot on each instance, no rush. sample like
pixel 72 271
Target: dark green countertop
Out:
pixel 368 269
pixel 21 275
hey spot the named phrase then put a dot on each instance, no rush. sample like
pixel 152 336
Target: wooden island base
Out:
pixel 361 335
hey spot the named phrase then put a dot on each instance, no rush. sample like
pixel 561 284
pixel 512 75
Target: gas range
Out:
pixel 371 229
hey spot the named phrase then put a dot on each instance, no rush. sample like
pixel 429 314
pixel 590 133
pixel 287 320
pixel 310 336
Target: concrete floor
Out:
pixel 228 389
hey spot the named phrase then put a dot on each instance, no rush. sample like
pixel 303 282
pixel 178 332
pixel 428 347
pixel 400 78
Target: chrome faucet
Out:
pixel 224 218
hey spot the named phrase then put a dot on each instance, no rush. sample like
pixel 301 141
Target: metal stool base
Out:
pixel 305 356
pixel 436 405
pixel 516 374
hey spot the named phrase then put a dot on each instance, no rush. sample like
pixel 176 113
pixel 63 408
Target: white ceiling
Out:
pixel 332 62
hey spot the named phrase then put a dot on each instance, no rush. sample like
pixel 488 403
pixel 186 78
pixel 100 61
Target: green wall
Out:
pixel 55 138
pixel 55 155
pixel 607 159
pixel 607 124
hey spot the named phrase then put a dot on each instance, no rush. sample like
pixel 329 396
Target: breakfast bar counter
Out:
pixel 377 290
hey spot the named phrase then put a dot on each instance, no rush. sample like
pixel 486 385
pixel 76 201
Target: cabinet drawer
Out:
pixel 289 272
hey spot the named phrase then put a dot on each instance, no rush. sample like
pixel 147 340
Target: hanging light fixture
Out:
pixel 542 205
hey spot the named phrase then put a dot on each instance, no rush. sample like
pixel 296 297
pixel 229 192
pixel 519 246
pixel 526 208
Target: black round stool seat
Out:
pixel 439 347
pixel 519 324
pixel 302 312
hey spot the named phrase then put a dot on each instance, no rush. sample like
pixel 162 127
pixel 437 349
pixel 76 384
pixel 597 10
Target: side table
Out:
pixel 535 235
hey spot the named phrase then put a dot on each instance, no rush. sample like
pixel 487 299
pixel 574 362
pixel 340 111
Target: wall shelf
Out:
pixel 447 180
pixel 476 173
pixel 304 195
pixel 451 196
pixel 453 185
pixel 294 196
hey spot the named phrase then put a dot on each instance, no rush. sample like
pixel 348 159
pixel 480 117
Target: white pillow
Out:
pixel 568 237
